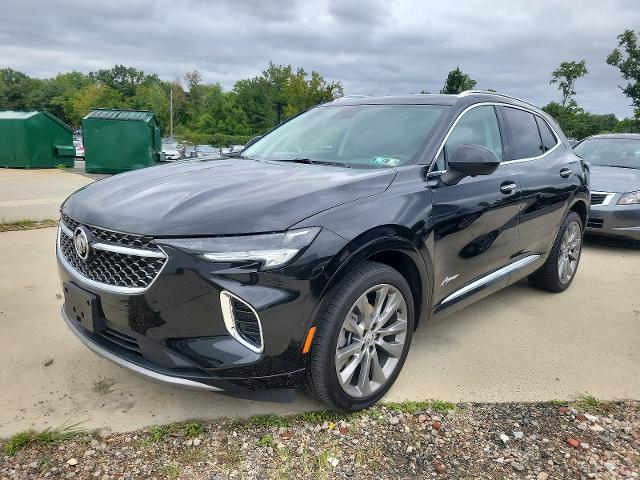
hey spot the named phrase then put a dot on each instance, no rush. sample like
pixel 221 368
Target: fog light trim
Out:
pixel 226 299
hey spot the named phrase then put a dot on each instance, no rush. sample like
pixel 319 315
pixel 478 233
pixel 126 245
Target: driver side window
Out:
pixel 479 126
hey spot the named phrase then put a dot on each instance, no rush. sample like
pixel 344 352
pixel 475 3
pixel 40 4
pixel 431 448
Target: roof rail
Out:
pixel 487 92
pixel 346 97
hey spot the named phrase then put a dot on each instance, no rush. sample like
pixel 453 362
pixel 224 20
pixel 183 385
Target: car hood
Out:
pixel 614 179
pixel 220 197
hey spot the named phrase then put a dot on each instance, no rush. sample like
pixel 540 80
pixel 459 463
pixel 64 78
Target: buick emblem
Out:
pixel 81 243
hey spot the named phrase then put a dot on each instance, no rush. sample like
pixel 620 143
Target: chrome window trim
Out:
pixel 103 287
pixel 495 104
pixel 607 200
pixel 230 323
pixel 501 272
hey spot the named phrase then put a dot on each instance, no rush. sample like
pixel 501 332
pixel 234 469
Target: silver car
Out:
pixel 614 161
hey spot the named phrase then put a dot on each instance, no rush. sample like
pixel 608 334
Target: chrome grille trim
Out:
pixel 608 196
pixel 124 269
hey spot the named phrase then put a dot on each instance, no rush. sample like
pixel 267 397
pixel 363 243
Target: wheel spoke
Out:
pixel 396 327
pixel 347 374
pixel 364 382
pixel 377 374
pixel 393 302
pixel 364 307
pixel 351 324
pixel 381 296
pixel 394 349
pixel 343 354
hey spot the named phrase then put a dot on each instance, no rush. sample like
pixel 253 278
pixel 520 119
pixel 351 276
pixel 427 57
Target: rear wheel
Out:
pixel 561 266
pixel 362 339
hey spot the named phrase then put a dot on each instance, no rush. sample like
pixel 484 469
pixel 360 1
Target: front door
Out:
pixel 476 220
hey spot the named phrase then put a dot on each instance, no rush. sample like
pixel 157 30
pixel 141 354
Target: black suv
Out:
pixel 311 259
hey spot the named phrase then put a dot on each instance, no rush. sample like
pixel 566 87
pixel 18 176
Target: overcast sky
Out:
pixel 371 46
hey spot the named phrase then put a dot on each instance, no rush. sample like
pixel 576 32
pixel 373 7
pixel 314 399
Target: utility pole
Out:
pixel 171 112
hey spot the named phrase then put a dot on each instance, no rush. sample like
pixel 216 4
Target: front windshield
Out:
pixel 371 135
pixel 610 152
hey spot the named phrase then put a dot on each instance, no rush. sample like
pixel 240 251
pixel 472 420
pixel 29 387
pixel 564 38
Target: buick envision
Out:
pixel 311 258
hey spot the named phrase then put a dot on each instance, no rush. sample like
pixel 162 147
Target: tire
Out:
pixel 548 276
pixel 368 281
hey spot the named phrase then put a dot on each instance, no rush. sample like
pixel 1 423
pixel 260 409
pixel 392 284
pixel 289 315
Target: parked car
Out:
pixel 311 259
pixel 171 151
pixel 614 161
pixel 189 151
pixel 79 148
pixel 206 151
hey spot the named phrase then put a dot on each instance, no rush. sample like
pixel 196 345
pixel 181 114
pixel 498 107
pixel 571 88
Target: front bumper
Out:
pixel 614 220
pixel 174 331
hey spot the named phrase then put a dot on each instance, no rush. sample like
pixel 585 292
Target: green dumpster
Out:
pixel 120 140
pixel 35 140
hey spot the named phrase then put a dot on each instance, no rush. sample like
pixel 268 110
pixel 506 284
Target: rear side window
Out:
pixel 548 138
pixel 525 137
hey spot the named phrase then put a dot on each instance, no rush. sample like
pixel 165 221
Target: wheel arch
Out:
pixel 581 208
pixel 392 245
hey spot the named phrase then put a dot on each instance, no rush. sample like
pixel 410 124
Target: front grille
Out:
pixel 120 339
pixel 246 322
pixel 595 223
pixel 598 198
pixel 132 270
pixel 124 239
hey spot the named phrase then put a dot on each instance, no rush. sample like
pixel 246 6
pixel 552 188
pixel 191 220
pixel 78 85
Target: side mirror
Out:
pixel 468 161
pixel 252 141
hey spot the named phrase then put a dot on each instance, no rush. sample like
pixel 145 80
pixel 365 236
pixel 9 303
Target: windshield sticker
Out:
pixel 392 162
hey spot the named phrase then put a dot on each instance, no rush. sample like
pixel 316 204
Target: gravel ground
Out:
pixel 584 439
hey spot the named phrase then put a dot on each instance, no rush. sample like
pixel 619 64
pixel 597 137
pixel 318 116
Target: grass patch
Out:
pixel 413 407
pixel 160 432
pixel 26 224
pixel 265 441
pixel 192 429
pixel 588 403
pixel 171 471
pixel 48 435
pixel 62 166
pixel 322 416
pixel 267 421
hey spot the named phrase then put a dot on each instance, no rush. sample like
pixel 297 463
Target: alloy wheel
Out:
pixel 569 253
pixel 371 341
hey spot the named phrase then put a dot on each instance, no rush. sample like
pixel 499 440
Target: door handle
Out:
pixel 507 187
pixel 565 173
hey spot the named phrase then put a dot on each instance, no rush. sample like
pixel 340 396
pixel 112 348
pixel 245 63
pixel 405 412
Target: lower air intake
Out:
pixel 242 321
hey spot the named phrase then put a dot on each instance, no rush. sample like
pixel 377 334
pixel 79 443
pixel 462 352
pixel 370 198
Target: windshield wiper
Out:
pixel 309 161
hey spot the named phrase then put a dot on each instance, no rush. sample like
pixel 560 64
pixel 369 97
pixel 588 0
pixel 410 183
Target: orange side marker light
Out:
pixel 307 342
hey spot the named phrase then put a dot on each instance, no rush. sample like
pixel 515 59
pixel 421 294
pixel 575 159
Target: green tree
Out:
pixel 124 79
pixel 458 82
pixel 152 97
pixel 629 65
pixel 95 95
pixel 565 76
pixel 16 87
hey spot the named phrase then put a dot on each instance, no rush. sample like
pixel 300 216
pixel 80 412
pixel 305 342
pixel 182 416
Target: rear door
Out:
pixel 546 177
pixel 476 220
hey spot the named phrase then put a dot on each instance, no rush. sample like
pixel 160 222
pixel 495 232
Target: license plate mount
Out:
pixel 82 306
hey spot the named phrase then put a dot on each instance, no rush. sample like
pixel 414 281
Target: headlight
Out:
pixel 271 250
pixel 629 198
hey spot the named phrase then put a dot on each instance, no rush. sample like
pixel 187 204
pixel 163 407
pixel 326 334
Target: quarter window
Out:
pixel 548 138
pixel 525 137
pixel 479 126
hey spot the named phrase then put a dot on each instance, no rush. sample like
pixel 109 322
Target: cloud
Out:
pixel 372 46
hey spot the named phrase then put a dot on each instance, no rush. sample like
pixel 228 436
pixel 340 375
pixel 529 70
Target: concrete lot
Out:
pixel 519 344
pixel 35 194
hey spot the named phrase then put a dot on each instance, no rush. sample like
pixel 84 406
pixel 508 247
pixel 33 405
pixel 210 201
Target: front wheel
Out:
pixel 561 266
pixel 363 333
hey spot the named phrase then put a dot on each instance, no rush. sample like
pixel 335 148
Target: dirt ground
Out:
pixel 517 345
